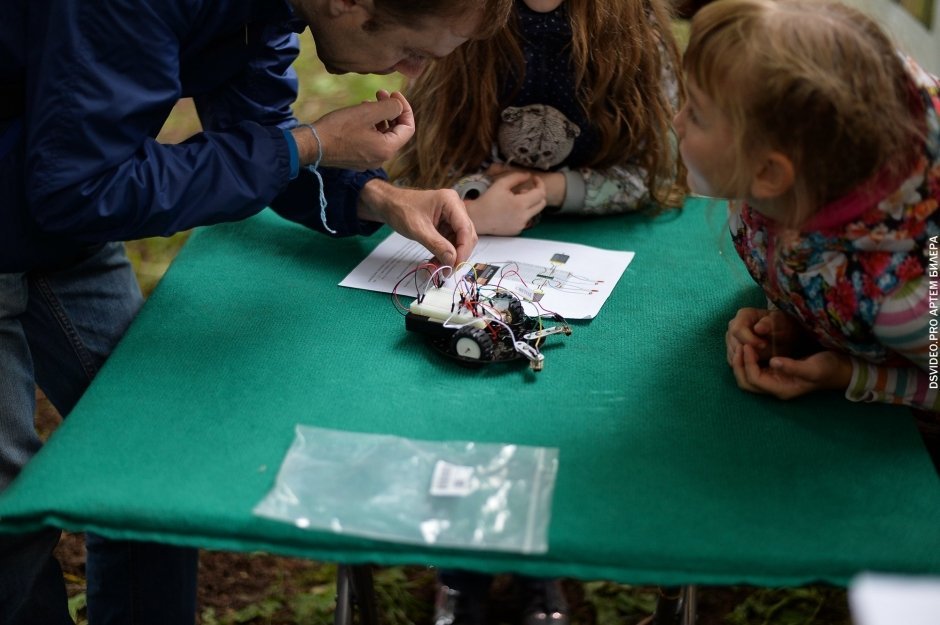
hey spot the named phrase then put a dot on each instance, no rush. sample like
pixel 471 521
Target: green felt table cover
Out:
pixel 668 473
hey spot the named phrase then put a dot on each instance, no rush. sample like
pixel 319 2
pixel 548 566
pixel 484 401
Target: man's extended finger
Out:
pixel 402 127
pixel 407 115
pixel 464 239
pixel 459 228
pixel 444 253
pixel 383 125
pixel 381 110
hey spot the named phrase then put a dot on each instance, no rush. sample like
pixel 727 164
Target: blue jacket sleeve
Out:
pixel 301 203
pixel 265 92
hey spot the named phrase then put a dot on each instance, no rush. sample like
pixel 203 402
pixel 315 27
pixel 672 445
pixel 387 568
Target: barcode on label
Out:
pixel 451 480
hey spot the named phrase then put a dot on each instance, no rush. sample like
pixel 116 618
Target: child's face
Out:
pixel 543 6
pixel 706 143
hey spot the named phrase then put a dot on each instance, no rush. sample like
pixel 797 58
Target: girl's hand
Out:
pixel 769 332
pixel 509 205
pixel 786 378
pixel 556 185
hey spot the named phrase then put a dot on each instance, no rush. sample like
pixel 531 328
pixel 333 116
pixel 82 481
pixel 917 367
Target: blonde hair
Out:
pixel 816 80
pixel 616 51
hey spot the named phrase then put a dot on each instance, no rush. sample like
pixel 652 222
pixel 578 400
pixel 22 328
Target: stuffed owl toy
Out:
pixel 537 136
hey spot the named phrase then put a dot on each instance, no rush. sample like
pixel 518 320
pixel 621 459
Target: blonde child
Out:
pixel 828 142
pixel 568 108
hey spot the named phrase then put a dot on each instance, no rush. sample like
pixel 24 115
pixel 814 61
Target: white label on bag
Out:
pixel 451 480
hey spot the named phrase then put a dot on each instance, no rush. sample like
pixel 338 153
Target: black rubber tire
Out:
pixel 470 343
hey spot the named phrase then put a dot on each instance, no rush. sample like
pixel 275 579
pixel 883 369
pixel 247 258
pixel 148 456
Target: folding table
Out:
pixel 668 473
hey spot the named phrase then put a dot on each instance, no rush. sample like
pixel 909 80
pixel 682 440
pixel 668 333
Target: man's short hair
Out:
pixel 495 12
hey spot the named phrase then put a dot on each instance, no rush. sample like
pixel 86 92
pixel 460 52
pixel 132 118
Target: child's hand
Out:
pixel 556 185
pixel 509 205
pixel 786 378
pixel 769 332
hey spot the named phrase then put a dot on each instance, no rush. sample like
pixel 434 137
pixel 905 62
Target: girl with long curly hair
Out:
pixel 567 109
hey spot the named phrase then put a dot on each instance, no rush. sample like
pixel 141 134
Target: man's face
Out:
pixel 348 42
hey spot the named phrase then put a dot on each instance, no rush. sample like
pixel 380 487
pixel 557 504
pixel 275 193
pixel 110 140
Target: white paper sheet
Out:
pixel 880 599
pixel 567 278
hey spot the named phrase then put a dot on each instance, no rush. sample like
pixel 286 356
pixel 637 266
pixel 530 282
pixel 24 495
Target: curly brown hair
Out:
pixel 616 51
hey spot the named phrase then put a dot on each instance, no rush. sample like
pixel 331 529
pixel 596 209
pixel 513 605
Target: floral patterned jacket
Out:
pixel 840 271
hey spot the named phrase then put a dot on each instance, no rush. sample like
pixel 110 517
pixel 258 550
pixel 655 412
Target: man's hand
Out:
pixel 786 378
pixel 509 205
pixel 437 219
pixel 768 332
pixel 359 137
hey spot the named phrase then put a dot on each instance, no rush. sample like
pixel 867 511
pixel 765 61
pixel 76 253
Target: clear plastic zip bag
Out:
pixel 451 493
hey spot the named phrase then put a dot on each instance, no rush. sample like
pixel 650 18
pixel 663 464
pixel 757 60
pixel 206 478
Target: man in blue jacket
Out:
pixel 84 88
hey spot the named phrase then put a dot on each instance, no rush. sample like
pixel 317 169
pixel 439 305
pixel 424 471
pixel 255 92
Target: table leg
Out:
pixel 676 606
pixel 355 596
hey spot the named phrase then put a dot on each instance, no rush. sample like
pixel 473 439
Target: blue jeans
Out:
pixel 56 329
